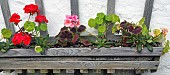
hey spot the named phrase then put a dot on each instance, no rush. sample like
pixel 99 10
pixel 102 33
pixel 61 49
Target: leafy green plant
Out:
pixel 137 34
pixel 167 47
pixel 101 23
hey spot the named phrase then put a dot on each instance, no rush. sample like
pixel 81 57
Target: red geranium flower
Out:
pixel 32 8
pixel 20 38
pixel 40 19
pixel 15 18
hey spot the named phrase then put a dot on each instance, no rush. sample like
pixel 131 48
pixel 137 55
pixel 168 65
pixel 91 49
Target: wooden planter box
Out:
pixel 110 59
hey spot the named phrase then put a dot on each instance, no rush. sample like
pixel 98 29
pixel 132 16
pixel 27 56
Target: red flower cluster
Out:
pixel 40 19
pixel 31 9
pixel 20 38
pixel 15 18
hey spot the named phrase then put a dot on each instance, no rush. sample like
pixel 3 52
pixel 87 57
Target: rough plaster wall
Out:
pixel 55 11
pixel 130 10
pixel 88 9
pixel 16 6
pixel 2 23
pixel 161 15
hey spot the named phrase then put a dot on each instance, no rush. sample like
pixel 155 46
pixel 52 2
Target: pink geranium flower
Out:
pixel 72 21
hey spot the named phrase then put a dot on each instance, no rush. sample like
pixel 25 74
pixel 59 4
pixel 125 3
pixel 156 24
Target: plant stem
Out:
pixel 29 17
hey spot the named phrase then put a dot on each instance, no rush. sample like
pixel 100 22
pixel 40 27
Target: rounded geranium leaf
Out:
pixel 6 33
pixel 137 30
pixel 123 24
pixel 130 28
pixel 114 29
pixel 37 28
pixel 100 15
pixel 43 26
pixel 38 49
pixel 75 38
pixel 108 17
pixel 74 29
pixel 98 20
pixel 115 18
pixel 102 29
pixel 29 26
pixel 92 22
pixel 81 28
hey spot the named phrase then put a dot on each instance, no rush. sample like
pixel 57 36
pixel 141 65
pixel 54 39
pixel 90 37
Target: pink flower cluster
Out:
pixel 72 21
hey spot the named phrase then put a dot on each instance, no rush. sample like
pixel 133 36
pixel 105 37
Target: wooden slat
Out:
pixel 74 7
pixel 111 71
pixel 20 52
pixel 110 10
pixel 30 71
pixel 42 12
pixel 56 70
pixel 70 70
pixel 83 70
pixel 18 71
pixel 10 64
pixel 43 71
pixel 148 11
pixel 7 14
pixel 115 51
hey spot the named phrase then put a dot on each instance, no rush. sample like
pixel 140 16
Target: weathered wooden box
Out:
pixel 110 59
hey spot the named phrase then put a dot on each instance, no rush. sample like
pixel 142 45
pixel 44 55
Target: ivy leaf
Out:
pixel 98 20
pixel 142 21
pixel 145 30
pixel 108 18
pixel 6 33
pixel 114 29
pixel 92 22
pixel 115 18
pixel 100 15
pixel 102 29
pixel 38 49
pixel 29 26
pixel 43 26
pixel 150 48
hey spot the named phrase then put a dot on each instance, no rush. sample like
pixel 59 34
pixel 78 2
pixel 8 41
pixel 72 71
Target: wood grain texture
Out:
pixel 40 4
pixel 10 64
pixel 110 10
pixel 115 51
pixel 19 52
pixel 148 11
pixel 74 7
pixel 7 14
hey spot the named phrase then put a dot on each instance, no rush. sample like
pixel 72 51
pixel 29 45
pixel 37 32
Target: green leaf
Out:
pixel 6 33
pixel 114 29
pixel 149 41
pixel 108 17
pixel 92 22
pixel 37 28
pixel 115 18
pixel 102 29
pixel 29 26
pixel 43 26
pixel 100 15
pixel 139 47
pixel 38 49
pixel 98 20
pixel 142 21
pixel 145 30
pixel 150 48
pixel 167 47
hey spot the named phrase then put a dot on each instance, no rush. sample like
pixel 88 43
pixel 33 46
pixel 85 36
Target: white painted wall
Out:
pixel 131 10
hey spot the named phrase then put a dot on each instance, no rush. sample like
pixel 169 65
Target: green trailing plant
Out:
pixel 167 47
pixel 101 23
